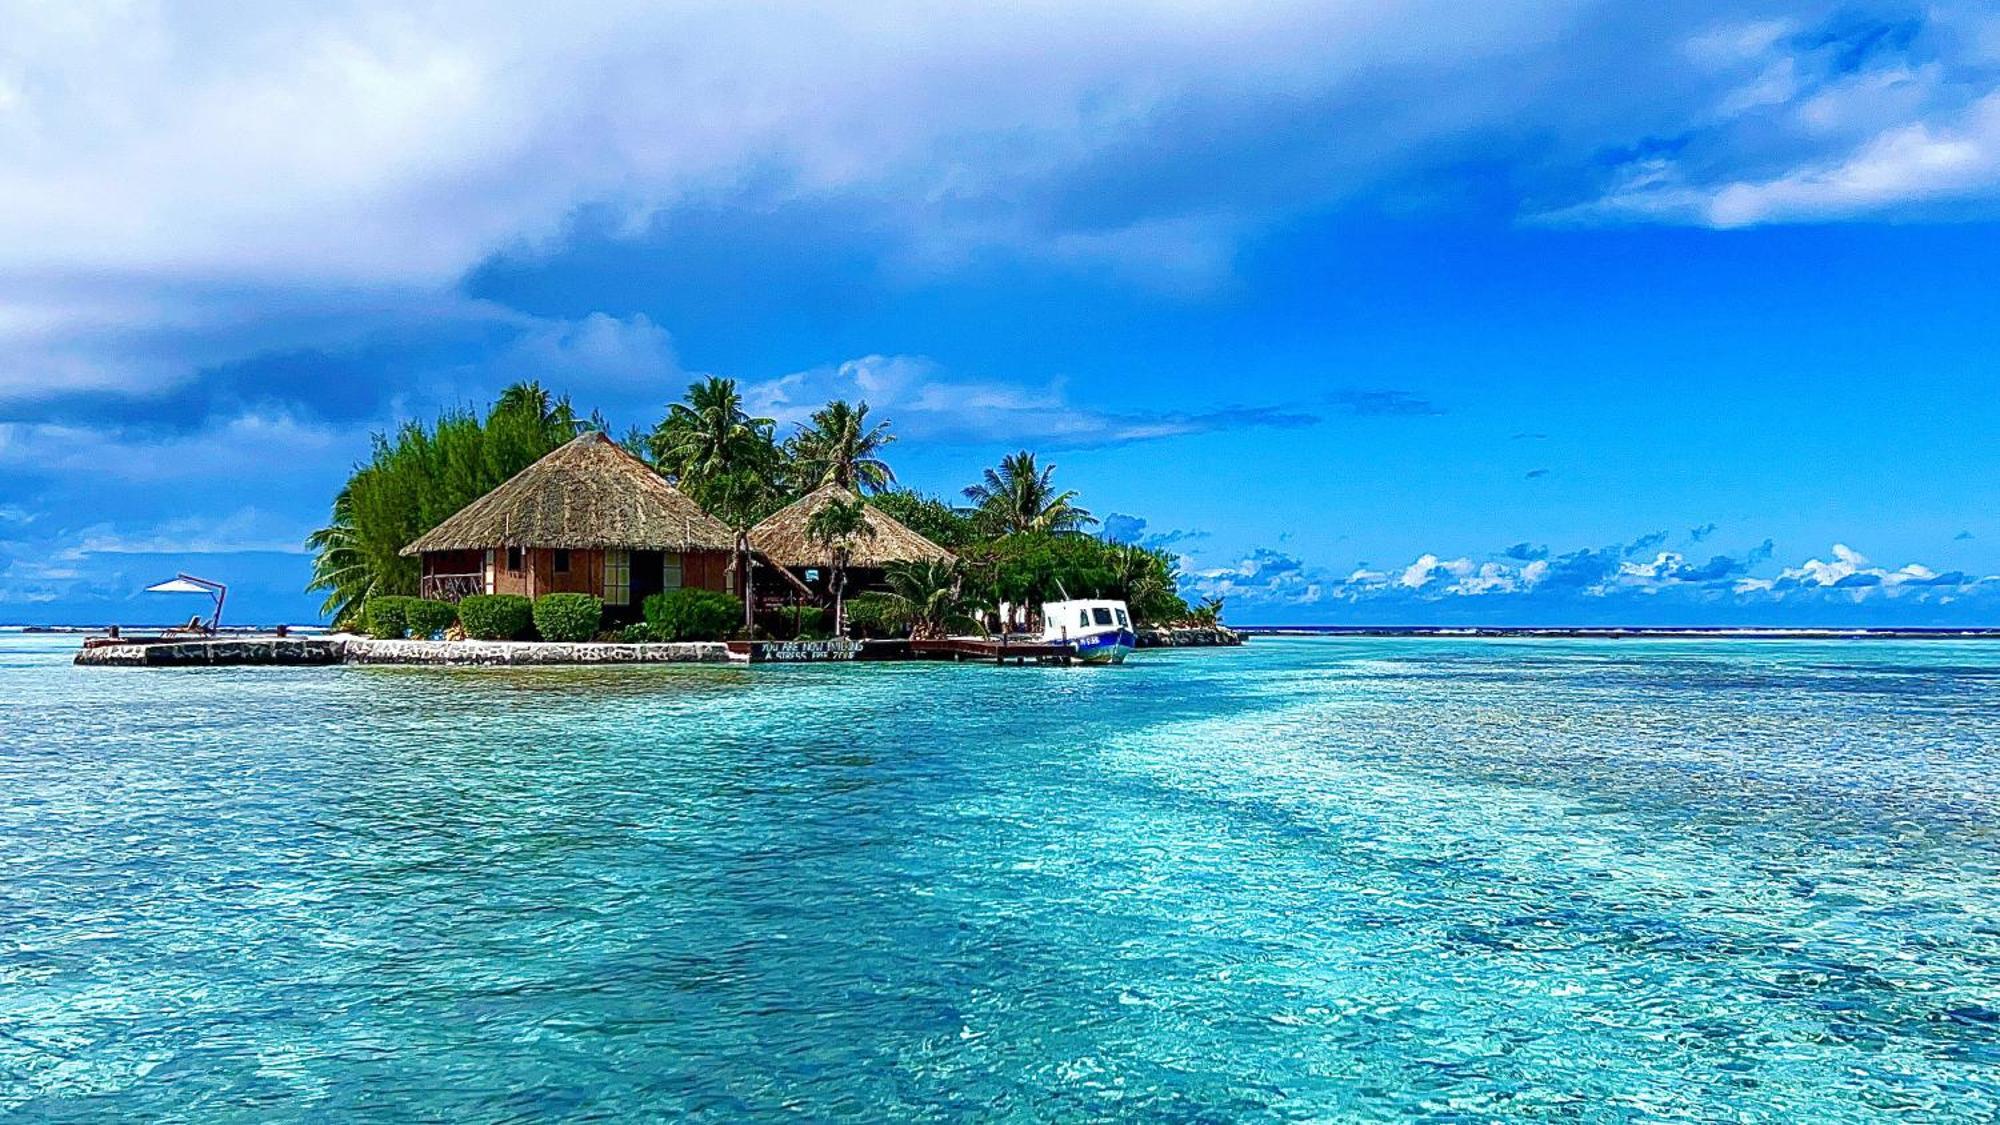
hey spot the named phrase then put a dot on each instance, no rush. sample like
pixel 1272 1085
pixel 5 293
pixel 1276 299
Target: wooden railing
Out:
pixel 451 587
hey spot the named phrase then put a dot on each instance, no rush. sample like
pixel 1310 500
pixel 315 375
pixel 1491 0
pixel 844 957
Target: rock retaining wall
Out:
pixel 1188 638
pixel 293 651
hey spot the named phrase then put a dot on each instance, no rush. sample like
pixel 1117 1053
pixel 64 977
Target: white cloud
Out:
pixel 1821 126
pixel 246 529
pixel 182 185
pixel 243 448
pixel 927 402
pixel 1593 574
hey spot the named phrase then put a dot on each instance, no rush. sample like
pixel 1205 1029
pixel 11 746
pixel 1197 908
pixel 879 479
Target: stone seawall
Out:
pixel 275 651
pixel 1188 638
pixel 362 651
pixel 298 651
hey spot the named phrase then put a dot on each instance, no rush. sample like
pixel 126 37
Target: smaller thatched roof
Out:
pixel 782 538
pixel 588 494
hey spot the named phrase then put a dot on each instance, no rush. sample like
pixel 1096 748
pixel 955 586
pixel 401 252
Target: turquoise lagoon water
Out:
pixel 1312 879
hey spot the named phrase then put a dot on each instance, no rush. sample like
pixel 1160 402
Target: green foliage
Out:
pixel 931 596
pixel 929 517
pixel 495 617
pixel 641 633
pixel 692 615
pixel 838 446
pixel 426 617
pixel 1035 568
pixel 568 617
pixel 710 437
pixel 797 622
pixel 416 478
pixel 877 616
pixel 388 617
pixel 1207 615
pixel 1020 498
pixel 340 566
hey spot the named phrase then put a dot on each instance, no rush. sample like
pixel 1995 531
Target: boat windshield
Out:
pixel 1123 621
pixel 1103 615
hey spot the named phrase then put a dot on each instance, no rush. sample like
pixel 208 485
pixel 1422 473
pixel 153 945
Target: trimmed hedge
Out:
pixel 387 617
pixel 877 616
pixel 426 617
pixel 568 617
pixel 495 617
pixel 693 615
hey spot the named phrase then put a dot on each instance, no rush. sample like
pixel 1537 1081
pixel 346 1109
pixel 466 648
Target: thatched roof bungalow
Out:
pixel 588 518
pixel 782 540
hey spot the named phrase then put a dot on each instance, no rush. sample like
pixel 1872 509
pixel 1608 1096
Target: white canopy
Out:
pixel 178 586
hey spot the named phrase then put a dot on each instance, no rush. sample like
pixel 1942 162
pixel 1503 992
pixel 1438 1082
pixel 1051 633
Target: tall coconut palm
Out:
pixel 340 566
pixel 709 436
pixel 834 526
pixel 1021 497
pixel 840 447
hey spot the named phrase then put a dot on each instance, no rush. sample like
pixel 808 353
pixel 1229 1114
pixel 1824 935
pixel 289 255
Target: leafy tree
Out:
pixel 834 526
pixel 415 479
pixel 840 447
pixel 929 517
pixel 1020 498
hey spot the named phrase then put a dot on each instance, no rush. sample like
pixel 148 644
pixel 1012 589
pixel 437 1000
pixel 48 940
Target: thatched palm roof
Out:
pixel 588 494
pixel 783 540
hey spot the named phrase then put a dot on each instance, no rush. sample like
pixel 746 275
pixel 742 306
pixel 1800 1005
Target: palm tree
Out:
pixel 740 499
pixel 932 592
pixel 710 436
pixel 340 566
pixel 840 447
pixel 1020 497
pixel 835 525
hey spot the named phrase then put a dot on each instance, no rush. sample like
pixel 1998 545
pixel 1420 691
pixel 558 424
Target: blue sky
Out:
pixel 1557 314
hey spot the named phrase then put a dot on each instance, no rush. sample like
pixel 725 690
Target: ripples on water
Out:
pixel 1314 878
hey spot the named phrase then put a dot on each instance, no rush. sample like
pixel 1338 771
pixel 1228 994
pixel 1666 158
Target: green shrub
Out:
pixel 387 617
pixel 693 615
pixel 568 617
pixel 803 622
pixel 426 617
pixel 877 616
pixel 495 617
pixel 641 633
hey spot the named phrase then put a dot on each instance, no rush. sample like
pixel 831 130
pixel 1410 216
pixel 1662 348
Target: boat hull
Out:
pixel 1105 648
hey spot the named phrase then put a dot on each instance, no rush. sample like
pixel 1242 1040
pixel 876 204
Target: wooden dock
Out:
pixel 997 651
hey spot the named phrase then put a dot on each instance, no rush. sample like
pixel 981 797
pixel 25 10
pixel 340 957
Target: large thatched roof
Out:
pixel 588 494
pixel 782 538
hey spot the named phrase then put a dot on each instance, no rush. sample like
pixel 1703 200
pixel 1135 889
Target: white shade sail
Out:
pixel 178 586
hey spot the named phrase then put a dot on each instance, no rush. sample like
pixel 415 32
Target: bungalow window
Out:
pixel 513 560
pixel 562 562
pixel 617 578
pixel 486 571
pixel 670 571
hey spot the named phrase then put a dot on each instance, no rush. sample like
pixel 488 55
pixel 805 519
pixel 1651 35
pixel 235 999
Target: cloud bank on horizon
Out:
pixel 229 233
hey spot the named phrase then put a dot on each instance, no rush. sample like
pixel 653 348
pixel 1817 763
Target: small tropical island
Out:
pixel 531 524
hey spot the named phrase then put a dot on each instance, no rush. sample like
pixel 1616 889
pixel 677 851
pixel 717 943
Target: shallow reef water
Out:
pixel 1311 879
